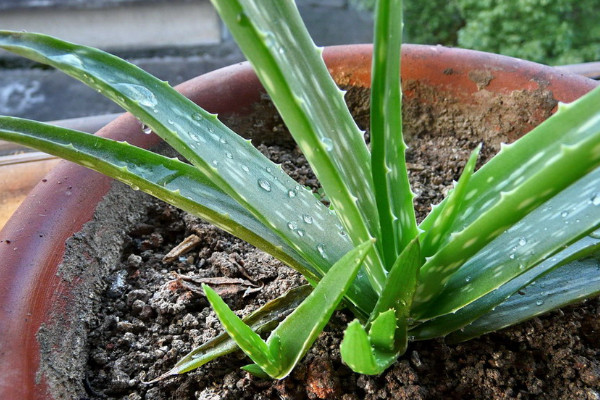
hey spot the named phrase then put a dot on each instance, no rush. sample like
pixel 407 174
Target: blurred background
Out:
pixel 179 39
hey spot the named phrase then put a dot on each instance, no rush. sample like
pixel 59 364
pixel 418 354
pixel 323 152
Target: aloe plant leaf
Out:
pixel 294 336
pixel 225 158
pixel 301 328
pixel 274 39
pixel 256 371
pixel 401 283
pixel 516 181
pixel 448 210
pixel 388 338
pixel 359 354
pixel 392 188
pixel 562 286
pixel 262 320
pixel 165 178
pixel 559 222
pixel 448 323
pixel 249 341
pixel 381 334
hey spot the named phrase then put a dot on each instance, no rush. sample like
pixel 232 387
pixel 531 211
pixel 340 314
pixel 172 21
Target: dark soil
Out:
pixel 152 312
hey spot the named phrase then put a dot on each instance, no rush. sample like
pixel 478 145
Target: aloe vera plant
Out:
pixel 530 214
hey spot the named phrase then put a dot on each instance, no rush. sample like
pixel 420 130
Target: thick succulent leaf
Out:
pixel 274 39
pixel 263 320
pixel 448 210
pixel 445 324
pixel 388 338
pixel 301 328
pixel 401 283
pixel 229 161
pixel 392 188
pixel 359 354
pixel 520 178
pixel 249 341
pixel 381 334
pixel 562 286
pixel 293 337
pixel 559 222
pixel 165 178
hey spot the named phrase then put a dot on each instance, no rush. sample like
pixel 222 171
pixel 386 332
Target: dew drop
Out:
pixel 229 155
pixel 292 225
pixel 307 218
pixel 512 256
pixel 596 200
pixel 222 141
pixel 197 117
pixel 468 279
pixel 245 168
pixel 171 122
pixel 522 242
pixel 328 143
pixel 321 250
pixel 138 93
pixel 300 232
pixel 264 184
pixel 539 302
pixel 215 163
pixel 291 193
pixel 564 214
pixel 146 129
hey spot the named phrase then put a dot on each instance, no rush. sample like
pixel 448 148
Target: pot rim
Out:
pixel 32 243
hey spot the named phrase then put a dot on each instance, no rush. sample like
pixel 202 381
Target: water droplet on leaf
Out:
pixel 264 184
pixel 321 250
pixel 328 143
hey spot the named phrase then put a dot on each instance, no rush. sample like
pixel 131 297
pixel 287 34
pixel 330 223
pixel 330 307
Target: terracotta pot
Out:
pixel 35 296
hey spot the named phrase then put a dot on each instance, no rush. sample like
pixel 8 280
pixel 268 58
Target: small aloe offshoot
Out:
pixel 531 214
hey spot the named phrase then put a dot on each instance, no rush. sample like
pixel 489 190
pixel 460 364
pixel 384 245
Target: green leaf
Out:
pixel 565 285
pixel 256 371
pixel 382 332
pixel 225 158
pixel 165 178
pixel 358 353
pixel 388 338
pixel 558 223
pixel 294 336
pixel 448 210
pixel 263 320
pixel 448 323
pixel 519 179
pixel 299 331
pixel 274 39
pixel 392 188
pixel 248 340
